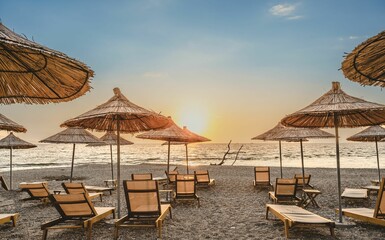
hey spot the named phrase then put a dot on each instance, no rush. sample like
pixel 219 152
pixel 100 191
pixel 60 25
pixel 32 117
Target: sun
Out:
pixel 195 119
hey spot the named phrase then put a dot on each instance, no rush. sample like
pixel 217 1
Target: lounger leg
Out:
pixel 267 212
pixel 101 199
pixel 13 219
pixel 170 213
pixel 286 223
pixel 116 233
pixel 45 233
pixel 332 231
pixel 89 231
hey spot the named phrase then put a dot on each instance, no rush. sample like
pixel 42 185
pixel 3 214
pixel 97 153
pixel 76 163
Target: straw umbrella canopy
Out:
pixel 172 133
pixel 31 73
pixel 337 109
pixel 371 134
pixel 195 139
pixel 366 63
pixel 269 136
pixel 300 134
pixel 9 125
pixel 12 142
pixel 74 135
pixel 110 138
pixel 120 115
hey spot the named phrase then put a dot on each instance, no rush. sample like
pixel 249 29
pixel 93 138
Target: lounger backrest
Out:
pixel 74 188
pixel 379 211
pixel 35 190
pixel 285 187
pixel 142 197
pixel 73 205
pixel 3 183
pixel 185 185
pixel 262 175
pixel 202 176
pixel 141 176
pixel 299 178
pixel 171 176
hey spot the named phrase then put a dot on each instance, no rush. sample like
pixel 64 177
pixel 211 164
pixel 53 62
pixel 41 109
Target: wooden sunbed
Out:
pixel 3 183
pixel 285 191
pixel 171 176
pixel 355 194
pixel 77 188
pixel 76 211
pixel 99 189
pixel 143 206
pixel 36 190
pixel 203 178
pixel 262 177
pixel 294 216
pixel 141 176
pixel 9 217
pixel 374 216
pixel 185 188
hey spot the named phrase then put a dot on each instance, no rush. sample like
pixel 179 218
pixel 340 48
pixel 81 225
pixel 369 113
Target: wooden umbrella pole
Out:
pixel 112 164
pixel 10 166
pixel 118 163
pixel 338 167
pixel 280 157
pixel 168 158
pixel 378 163
pixel 72 164
pixel 303 165
pixel 186 157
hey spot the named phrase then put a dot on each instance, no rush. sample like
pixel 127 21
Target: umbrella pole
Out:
pixel 186 158
pixel 72 164
pixel 280 157
pixel 303 166
pixel 168 158
pixel 10 167
pixel 378 163
pixel 112 164
pixel 338 167
pixel 118 162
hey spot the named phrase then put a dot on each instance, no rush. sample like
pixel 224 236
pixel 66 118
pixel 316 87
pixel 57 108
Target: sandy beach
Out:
pixel 231 209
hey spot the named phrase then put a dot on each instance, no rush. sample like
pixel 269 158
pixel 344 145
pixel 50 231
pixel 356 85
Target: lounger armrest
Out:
pixel 101 215
pixel 120 221
pixel 51 223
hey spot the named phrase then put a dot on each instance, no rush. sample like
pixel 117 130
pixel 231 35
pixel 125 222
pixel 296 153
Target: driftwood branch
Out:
pixel 236 156
pixel 224 156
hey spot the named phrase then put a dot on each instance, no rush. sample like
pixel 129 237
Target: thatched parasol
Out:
pixel 195 139
pixel 269 136
pixel 172 133
pixel 31 73
pixel 366 63
pixel 110 138
pixel 337 109
pixel 74 135
pixel 371 134
pixel 12 142
pixel 289 133
pixel 120 115
pixel 9 125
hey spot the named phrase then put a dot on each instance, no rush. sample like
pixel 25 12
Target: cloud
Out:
pixel 352 37
pixel 286 11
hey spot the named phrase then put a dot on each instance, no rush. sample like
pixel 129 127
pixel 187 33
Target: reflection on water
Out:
pixel 353 155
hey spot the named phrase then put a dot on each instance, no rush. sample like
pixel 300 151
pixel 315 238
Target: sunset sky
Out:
pixel 228 70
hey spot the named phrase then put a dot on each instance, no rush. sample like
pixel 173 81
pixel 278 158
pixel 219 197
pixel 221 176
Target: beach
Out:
pixel 232 209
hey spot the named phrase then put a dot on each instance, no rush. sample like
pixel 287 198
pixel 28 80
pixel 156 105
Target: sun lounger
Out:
pixel 143 206
pixel 185 188
pixel 285 191
pixel 77 188
pixel 294 216
pixel 374 216
pixel 3 183
pixel 355 194
pixel 299 178
pixel 262 177
pixel 203 178
pixel 36 190
pixel 76 211
pixel 9 217
pixel 99 189
pixel 171 177
pixel 141 176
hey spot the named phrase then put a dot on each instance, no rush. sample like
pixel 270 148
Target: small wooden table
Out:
pixel 310 195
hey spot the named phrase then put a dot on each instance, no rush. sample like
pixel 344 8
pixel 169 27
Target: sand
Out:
pixel 231 209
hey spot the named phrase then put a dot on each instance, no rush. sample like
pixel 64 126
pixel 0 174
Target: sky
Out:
pixel 228 70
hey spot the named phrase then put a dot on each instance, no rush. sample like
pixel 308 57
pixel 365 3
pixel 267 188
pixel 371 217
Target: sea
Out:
pixel 323 155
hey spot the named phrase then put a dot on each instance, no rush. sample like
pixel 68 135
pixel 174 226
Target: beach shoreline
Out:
pixel 231 209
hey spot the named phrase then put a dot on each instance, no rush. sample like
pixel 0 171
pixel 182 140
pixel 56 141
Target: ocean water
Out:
pixel 353 155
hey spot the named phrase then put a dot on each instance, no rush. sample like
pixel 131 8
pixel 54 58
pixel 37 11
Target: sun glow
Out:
pixel 195 119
